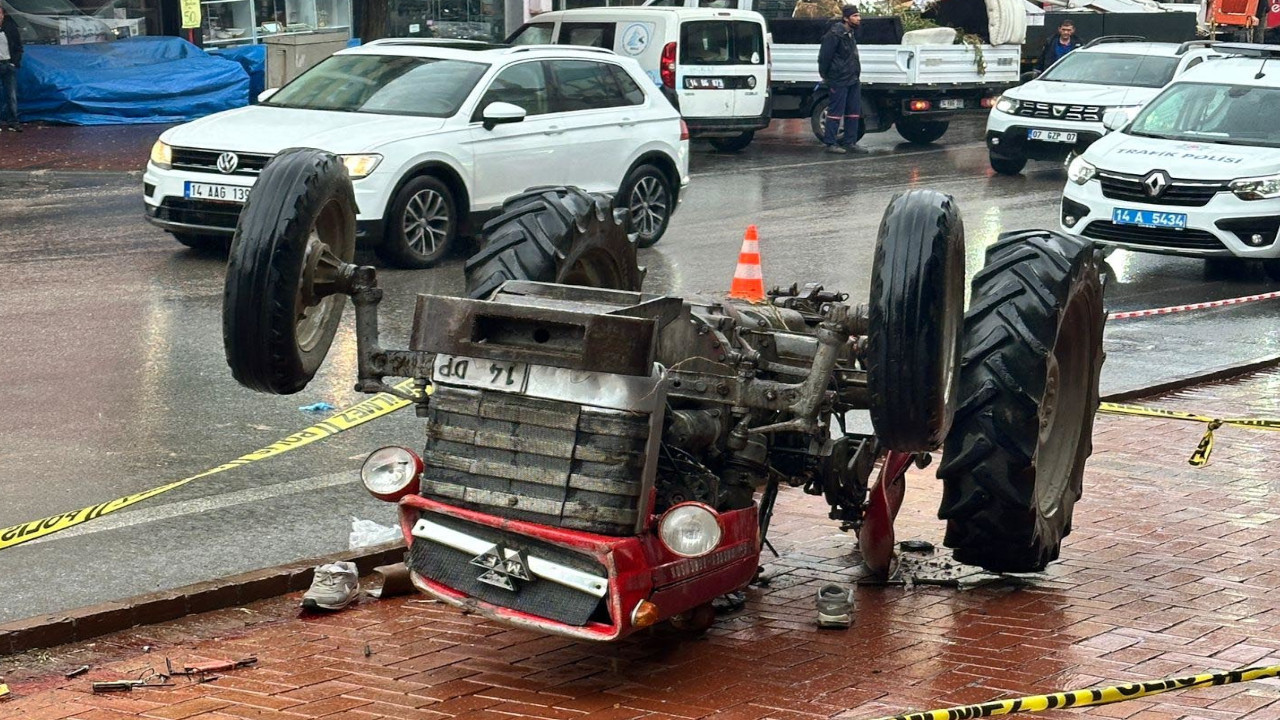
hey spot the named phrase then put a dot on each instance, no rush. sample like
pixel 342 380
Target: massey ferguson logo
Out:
pixel 1155 183
pixel 502 567
pixel 228 162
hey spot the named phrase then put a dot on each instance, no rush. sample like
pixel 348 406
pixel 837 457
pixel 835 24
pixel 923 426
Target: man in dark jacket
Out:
pixel 841 70
pixel 10 61
pixel 1058 45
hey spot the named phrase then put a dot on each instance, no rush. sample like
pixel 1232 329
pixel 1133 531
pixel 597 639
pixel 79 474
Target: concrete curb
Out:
pixel 46 631
pixel 1207 376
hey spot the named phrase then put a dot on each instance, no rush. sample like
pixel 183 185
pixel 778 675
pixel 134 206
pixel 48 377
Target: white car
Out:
pixel 1060 112
pixel 435 135
pixel 1196 173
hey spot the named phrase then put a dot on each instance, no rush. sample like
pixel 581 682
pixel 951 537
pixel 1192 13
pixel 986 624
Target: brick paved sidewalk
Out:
pixel 1170 570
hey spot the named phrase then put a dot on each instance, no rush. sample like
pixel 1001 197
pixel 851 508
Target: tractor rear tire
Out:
pixel 1013 464
pixel 556 235
pixel 279 309
pixel 916 310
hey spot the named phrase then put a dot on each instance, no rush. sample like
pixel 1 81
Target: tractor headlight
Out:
pixel 1007 105
pixel 1257 188
pixel 1081 171
pixel 162 155
pixel 390 473
pixel 359 166
pixel 690 530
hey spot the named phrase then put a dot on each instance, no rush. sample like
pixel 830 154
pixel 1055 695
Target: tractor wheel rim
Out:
pixel 1063 408
pixel 311 315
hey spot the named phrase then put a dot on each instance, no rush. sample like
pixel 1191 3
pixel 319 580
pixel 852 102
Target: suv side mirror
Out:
pixel 1114 120
pixel 266 94
pixel 501 113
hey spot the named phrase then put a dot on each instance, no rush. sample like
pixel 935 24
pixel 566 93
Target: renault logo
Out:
pixel 1156 182
pixel 228 162
pixel 502 567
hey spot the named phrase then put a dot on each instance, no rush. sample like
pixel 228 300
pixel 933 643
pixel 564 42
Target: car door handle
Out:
pixel 627 122
pixel 554 130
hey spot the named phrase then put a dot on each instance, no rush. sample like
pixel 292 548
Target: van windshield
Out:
pixel 1203 112
pixel 719 42
pixel 1124 69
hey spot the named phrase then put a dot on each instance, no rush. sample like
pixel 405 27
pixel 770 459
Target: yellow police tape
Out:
pixel 1200 457
pixel 1092 696
pixel 358 414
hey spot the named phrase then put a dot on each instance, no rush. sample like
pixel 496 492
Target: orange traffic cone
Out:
pixel 748 279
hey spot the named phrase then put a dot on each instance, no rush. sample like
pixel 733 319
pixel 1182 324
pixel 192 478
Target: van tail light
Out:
pixel 667 66
pixel 684 130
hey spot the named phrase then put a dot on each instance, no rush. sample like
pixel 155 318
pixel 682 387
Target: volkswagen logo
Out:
pixel 1156 182
pixel 228 162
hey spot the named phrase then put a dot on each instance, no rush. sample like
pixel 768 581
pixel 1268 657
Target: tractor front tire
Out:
pixel 556 235
pixel 1013 463
pixel 280 310
pixel 916 309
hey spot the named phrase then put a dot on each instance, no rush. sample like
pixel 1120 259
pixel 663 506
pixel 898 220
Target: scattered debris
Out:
pixel 920 546
pixel 214 666
pixel 318 407
pixel 731 602
pixel 77 672
pixel 4 689
pixel 365 533
pixel 367 650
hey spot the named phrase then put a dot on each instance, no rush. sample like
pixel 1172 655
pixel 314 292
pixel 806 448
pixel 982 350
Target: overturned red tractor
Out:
pixel 598 459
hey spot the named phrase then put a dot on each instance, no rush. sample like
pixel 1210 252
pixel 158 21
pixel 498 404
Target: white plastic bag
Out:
pixel 367 532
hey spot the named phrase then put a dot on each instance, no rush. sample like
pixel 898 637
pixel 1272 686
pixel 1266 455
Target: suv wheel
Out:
pixel 646 196
pixel 203 242
pixel 1007 166
pixel 422 224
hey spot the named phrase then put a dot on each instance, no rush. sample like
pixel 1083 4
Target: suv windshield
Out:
pixel 1225 114
pixel 385 84
pixel 1126 69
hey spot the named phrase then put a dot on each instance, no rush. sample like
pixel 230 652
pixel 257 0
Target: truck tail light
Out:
pixel 667 65
pixel 919 105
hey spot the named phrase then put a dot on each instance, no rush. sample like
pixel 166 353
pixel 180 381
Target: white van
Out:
pixel 712 64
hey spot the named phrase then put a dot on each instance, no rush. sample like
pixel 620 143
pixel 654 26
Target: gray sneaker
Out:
pixel 334 587
pixel 836 149
pixel 835 606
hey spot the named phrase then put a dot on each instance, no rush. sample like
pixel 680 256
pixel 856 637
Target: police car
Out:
pixel 1195 173
pixel 1060 112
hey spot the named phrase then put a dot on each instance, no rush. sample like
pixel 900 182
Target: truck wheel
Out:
pixel 916 309
pixel 1013 464
pixel 560 235
pixel 1007 166
pixel 732 144
pixel 1272 268
pixel 818 121
pixel 647 197
pixel 280 310
pixel 422 224
pixel 921 132
pixel 203 242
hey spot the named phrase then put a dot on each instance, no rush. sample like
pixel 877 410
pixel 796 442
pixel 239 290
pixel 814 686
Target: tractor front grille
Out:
pixel 545 461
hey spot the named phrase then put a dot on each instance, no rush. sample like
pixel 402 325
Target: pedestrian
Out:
pixel 1058 45
pixel 841 70
pixel 10 61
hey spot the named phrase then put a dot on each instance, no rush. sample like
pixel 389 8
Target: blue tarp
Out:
pixel 253 58
pixel 136 80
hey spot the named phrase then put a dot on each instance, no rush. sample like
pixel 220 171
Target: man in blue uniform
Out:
pixel 841 70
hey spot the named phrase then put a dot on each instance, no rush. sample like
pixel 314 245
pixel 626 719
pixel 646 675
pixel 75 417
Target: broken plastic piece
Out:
pixel 318 407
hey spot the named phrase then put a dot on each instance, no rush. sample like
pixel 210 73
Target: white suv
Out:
pixel 1060 112
pixel 1196 173
pixel 435 134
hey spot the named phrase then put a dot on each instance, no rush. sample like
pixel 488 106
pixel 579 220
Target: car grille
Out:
pixel 1179 193
pixel 544 461
pixel 1189 239
pixel 207 161
pixel 199 212
pixel 1058 111
pixel 1245 228
pixel 541 597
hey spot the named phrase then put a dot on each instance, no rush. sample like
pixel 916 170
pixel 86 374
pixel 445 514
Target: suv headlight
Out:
pixel 162 155
pixel 1257 188
pixel 1007 105
pixel 690 530
pixel 1081 171
pixel 359 166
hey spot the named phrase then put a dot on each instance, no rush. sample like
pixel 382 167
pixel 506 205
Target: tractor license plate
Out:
pixel 1054 136
pixel 951 103
pixel 482 373
pixel 224 193
pixel 1149 218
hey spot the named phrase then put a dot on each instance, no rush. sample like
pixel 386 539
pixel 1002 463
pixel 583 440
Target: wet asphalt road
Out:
pixel 113 379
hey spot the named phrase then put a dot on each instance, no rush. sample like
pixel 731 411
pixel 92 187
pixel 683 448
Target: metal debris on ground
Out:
pixel 917 568
pixel 77 672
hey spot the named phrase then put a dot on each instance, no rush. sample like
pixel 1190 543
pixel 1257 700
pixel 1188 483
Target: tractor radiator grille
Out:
pixel 544 461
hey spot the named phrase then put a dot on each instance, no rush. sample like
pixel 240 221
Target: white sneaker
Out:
pixel 835 606
pixel 334 587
